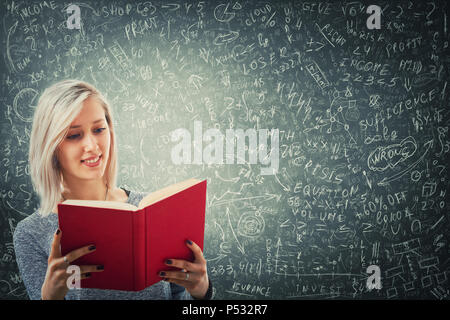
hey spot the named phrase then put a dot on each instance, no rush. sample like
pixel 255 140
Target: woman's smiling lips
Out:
pixel 92 161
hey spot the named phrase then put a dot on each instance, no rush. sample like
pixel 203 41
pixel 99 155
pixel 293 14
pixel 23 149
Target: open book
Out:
pixel 133 242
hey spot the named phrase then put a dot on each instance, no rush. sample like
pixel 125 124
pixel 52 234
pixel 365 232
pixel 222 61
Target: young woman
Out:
pixel 73 155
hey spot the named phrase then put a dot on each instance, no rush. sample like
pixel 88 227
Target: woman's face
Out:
pixel 83 154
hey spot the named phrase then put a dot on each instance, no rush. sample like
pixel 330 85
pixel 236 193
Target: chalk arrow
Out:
pixel 170 6
pixel 367 179
pixel 287 224
pixel 385 180
pixel 234 180
pixel 266 197
pixel 221 230
pixel 220 198
pixel 8 48
pixel 407 84
pixel 285 188
pixel 321 45
pixel 240 247
pixel 219 257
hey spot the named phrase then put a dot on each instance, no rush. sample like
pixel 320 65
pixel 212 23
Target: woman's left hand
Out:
pixel 193 275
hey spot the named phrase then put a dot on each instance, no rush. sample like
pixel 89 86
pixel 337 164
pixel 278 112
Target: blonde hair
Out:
pixel 58 106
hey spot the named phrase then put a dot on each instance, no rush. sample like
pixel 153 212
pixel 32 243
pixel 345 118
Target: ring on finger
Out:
pixel 66 260
pixel 187 276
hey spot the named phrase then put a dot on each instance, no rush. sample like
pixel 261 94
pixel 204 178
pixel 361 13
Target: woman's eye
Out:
pixel 76 136
pixel 73 136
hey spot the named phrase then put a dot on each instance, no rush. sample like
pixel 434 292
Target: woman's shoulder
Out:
pixel 30 222
pixel 32 225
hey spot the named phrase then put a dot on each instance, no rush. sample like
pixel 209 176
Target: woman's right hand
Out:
pixel 55 284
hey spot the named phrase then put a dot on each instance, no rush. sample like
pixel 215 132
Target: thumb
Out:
pixel 56 245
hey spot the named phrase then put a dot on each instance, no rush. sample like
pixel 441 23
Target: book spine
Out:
pixel 139 250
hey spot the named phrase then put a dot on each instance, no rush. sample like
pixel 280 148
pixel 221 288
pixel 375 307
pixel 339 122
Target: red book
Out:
pixel 133 242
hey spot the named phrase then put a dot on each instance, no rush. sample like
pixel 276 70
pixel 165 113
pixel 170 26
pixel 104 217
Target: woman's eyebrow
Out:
pixel 78 126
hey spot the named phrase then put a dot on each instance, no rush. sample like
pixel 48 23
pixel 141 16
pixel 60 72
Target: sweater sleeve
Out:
pixel 31 260
pixel 179 293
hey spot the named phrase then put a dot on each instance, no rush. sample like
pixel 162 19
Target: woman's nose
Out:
pixel 90 143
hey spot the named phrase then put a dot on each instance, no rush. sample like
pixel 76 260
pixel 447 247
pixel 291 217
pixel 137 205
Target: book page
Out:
pixel 148 200
pixel 167 192
pixel 102 204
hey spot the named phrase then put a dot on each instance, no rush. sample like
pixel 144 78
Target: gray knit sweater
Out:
pixel 32 242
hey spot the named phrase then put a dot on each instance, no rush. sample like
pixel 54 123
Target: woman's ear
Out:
pixel 55 161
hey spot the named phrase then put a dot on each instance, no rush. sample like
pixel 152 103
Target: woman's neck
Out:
pixel 86 191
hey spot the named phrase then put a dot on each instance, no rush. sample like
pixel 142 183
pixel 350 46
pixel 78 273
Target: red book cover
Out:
pixel 133 242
